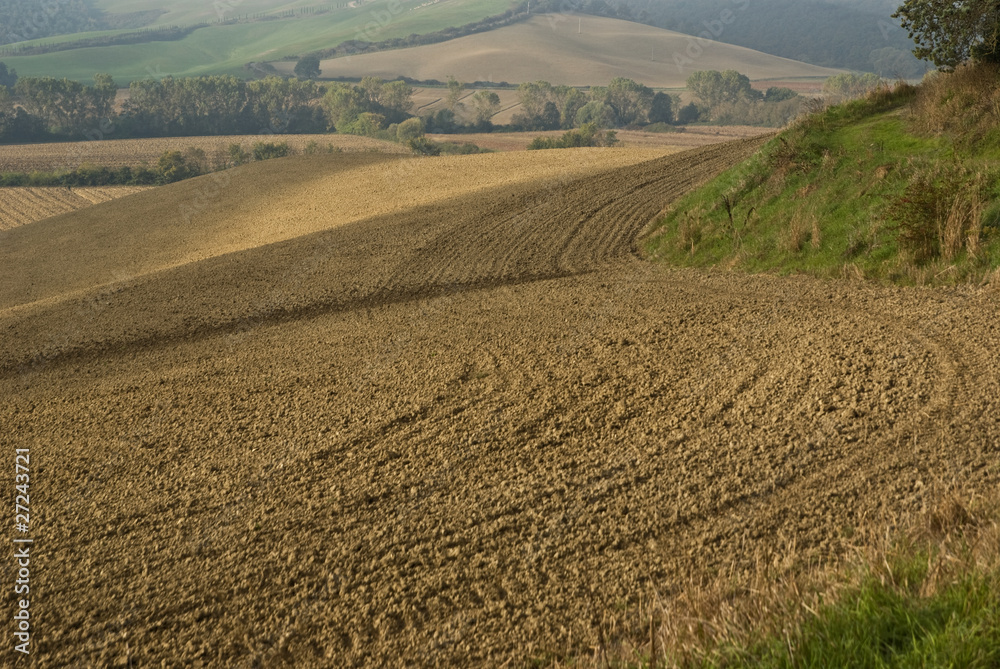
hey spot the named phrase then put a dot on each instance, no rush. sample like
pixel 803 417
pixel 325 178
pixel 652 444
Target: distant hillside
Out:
pixel 851 34
pixel 571 50
pixel 245 35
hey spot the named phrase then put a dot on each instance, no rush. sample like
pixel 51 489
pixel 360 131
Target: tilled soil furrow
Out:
pixel 412 441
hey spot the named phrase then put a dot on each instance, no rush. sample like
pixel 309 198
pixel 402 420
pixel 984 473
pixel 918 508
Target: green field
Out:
pixel 225 49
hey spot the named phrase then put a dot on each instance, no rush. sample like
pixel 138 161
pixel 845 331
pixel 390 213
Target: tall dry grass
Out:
pixel 965 103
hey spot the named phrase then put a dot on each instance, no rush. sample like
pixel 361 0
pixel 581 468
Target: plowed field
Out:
pixel 19 206
pixel 468 431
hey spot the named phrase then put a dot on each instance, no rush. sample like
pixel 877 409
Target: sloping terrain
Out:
pixel 238 33
pixel 145 152
pixel 20 206
pixel 473 430
pixel 571 50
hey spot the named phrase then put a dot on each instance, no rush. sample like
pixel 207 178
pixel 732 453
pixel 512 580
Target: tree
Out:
pixel 950 32
pixel 689 113
pixel 455 90
pixel 778 94
pixel 597 113
pixel 486 105
pixel 629 99
pixel 8 78
pixel 173 167
pixel 410 129
pixel 307 67
pixel 343 104
pixel 396 98
pixel 849 85
pixel 661 109
pixel 285 105
pixel 714 88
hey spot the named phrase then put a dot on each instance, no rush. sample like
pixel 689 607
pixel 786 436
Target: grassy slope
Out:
pixel 222 49
pixel 826 197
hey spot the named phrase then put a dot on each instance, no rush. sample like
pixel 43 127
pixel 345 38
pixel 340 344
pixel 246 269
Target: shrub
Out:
pixel 940 213
pixel 237 155
pixel 268 150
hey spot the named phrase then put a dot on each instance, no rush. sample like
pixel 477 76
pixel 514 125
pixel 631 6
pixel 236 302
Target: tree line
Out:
pixel 46 108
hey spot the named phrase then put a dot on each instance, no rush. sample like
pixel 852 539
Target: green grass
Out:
pixel 225 49
pixel 828 197
pixel 884 624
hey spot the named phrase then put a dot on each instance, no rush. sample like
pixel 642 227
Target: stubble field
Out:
pixel 472 429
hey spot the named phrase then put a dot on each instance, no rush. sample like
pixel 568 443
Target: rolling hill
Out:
pixel 227 47
pixel 570 50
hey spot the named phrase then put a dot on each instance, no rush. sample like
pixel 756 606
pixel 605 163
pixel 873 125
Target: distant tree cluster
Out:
pixel 729 98
pixel 368 108
pixel 621 103
pixel 221 105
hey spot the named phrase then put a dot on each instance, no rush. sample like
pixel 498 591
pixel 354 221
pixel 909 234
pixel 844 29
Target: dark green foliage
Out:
pixel 948 33
pixel 369 107
pixel 689 113
pixel 776 94
pixel 424 146
pixel 67 107
pixel 18 126
pixel 588 135
pixel 661 109
pixel 268 150
pixel 173 166
pixel 8 78
pixel 307 67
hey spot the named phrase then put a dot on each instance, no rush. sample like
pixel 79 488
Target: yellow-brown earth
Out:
pixel 467 426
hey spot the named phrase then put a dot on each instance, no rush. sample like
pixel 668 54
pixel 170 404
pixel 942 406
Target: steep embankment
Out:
pixel 901 186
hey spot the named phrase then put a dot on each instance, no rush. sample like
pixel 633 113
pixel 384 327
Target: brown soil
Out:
pixel 470 432
pixel 20 206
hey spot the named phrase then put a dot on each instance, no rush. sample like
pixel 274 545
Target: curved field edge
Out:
pixel 851 192
pixel 247 242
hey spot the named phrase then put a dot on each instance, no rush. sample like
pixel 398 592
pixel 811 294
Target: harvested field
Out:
pixel 20 206
pixel 145 152
pixel 471 430
pixel 691 137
